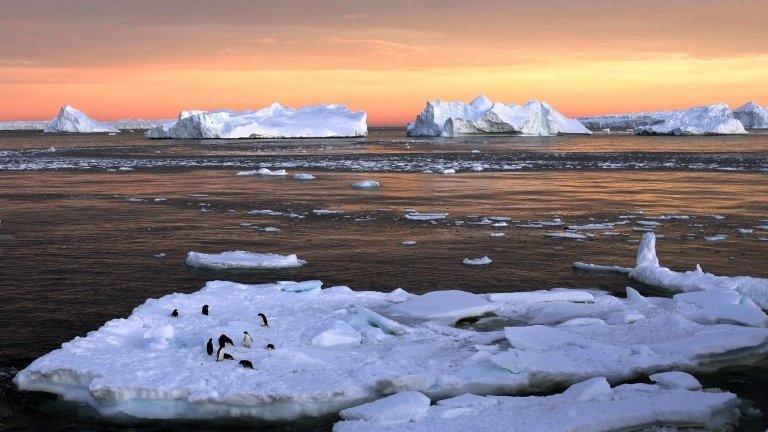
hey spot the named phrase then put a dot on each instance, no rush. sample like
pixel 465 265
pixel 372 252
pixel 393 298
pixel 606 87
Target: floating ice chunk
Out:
pixel 71 120
pixel 366 184
pixel 242 260
pixel 721 306
pixel 425 216
pixel 337 334
pixel 497 234
pixel 676 380
pixel 566 235
pixel 716 238
pixel 703 120
pixel 601 268
pixel 407 406
pixel 628 407
pixel 263 172
pixel 593 389
pixel 746 230
pixel 448 119
pixel 451 304
pixel 303 176
pixel 408 242
pixel 646 252
pixel 647 223
pixel 448 171
pixel 591 227
pixel 327 212
pixel 477 261
pixel 274 121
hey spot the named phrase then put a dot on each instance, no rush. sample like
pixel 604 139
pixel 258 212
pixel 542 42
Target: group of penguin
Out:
pixel 224 340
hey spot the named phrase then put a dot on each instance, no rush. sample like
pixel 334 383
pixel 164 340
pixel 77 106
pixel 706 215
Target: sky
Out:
pixel 151 59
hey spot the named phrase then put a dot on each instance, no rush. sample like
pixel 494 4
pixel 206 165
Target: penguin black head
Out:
pixel 209 346
pixel 246 364
pixel 224 340
pixel 175 313
pixel 270 347
pixel 228 357
pixel 264 322
pixel 205 309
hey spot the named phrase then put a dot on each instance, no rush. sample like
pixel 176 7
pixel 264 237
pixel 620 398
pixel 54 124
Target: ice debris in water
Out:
pixel 303 176
pixel 263 172
pixel 414 215
pixel 242 260
pixel 365 184
pixel 477 261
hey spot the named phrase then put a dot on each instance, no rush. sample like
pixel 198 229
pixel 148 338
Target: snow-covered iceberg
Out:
pixel 589 406
pixel 72 120
pixel 623 122
pixel 335 348
pixel 752 115
pixel 274 121
pixel 481 116
pixel 715 119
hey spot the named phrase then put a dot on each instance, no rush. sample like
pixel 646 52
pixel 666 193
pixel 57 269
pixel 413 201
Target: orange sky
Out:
pixel 135 58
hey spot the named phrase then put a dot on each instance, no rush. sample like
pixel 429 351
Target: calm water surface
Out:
pixel 78 244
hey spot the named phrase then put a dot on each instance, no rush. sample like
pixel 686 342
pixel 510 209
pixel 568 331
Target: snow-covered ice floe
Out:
pixel 263 172
pixel 481 116
pixel 703 120
pixel 752 115
pixel 336 348
pixel 242 260
pixel 72 120
pixel 274 121
pixel 416 216
pixel 303 177
pixel 366 184
pixel 588 406
pixel 477 261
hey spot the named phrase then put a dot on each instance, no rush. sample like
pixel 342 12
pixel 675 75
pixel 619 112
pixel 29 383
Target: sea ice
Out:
pixel 676 379
pixel 450 305
pixel 274 121
pixel 71 120
pixel 425 216
pixel 263 171
pixel 365 184
pixel 566 235
pixel 481 116
pixel 407 406
pixel 477 261
pixel 303 176
pixel 242 260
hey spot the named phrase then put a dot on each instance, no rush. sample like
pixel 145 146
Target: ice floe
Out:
pixel 366 184
pixel 416 216
pixel 72 120
pixel 263 172
pixel 242 260
pixel 303 176
pixel 566 235
pixel 477 261
pixel 481 116
pixel 274 121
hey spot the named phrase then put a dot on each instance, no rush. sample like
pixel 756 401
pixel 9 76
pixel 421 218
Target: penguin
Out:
pixel 270 347
pixel 209 346
pixel 224 340
pixel 246 364
pixel 221 355
pixel 247 340
pixel 263 320
pixel 205 309
pixel 175 313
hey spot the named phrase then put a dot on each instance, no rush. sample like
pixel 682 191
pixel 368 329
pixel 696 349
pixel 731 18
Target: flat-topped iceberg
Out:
pixel 703 120
pixel 336 348
pixel 589 406
pixel 481 116
pixel 72 120
pixel 752 115
pixel 274 121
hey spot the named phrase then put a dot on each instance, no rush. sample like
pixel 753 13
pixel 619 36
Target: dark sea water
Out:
pixel 79 236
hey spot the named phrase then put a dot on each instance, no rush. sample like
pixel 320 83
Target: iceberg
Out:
pixel 703 120
pixel 242 260
pixel 589 406
pixel 752 116
pixel 274 121
pixel 336 348
pixel 72 120
pixel 481 116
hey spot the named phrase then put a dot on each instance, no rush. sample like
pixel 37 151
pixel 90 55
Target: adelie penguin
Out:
pixel 247 340
pixel 246 364
pixel 209 346
pixel 264 322
pixel 205 309
pixel 175 313
pixel 224 340
pixel 270 347
pixel 221 355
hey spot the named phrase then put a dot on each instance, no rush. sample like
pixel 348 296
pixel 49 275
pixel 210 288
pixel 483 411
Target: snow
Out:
pixel 445 305
pixel 477 261
pixel 303 176
pixel 752 115
pixel 153 365
pixel 481 116
pixel 274 121
pixel 676 380
pixel 407 406
pixel 625 407
pixel 72 120
pixel 365 184
pixel 703 120
pixel 242 260
pixel 264 172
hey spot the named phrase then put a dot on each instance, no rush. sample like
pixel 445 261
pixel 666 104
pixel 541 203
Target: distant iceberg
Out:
pixel 75 121
pixel 752 116
pixel 274 121
pixel 715 119
pixel 481 116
